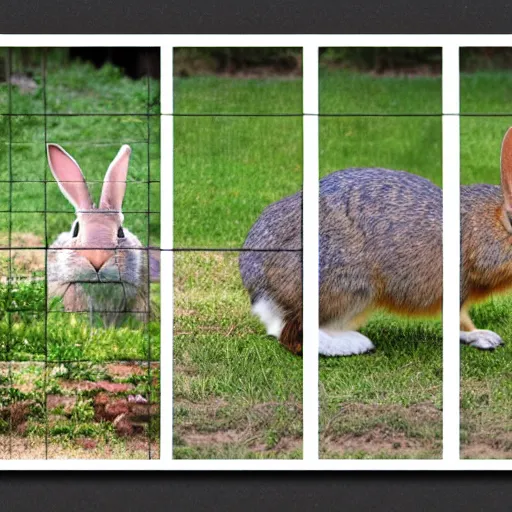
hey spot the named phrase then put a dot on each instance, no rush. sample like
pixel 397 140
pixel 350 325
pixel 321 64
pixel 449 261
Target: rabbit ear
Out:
pixel 114 184
pixel 69 177
pixel 506 170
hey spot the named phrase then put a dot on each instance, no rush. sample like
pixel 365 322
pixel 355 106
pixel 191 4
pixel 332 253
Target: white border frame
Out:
pixel 310 43
pixel 311 161
pixel 451 255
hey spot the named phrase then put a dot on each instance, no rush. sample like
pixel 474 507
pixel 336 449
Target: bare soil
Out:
pixel 18 447
pixel 233 426
pixel 382 430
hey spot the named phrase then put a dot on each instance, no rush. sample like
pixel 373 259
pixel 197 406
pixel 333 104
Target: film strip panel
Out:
pixel 80 188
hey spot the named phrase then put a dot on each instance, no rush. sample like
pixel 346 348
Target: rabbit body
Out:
pixel 486 250
pixel 380 246
pixel 99 266
pixel 486 256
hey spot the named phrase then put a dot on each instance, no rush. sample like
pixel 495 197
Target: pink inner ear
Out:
pixel 506 169
pixel 114 185
pixel 69 177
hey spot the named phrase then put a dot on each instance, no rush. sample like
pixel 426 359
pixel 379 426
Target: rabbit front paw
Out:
pixel 481 338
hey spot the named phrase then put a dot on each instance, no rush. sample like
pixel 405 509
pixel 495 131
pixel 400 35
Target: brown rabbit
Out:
pixel 486 246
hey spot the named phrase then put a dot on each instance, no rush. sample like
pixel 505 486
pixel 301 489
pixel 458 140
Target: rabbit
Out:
pixel 98 266
pixel 380 246
pixel 486 246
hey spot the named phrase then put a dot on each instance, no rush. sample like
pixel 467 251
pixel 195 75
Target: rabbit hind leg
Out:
pixel 284 326
pixel 338 335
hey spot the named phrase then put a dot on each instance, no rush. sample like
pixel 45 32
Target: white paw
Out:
pixel 482 339
pixel 344 344
pixel 270 315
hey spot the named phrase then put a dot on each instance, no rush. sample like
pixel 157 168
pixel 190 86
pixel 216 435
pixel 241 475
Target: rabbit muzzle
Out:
pixel 97 257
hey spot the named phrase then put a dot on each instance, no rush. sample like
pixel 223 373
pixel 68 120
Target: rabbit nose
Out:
pixel 97 258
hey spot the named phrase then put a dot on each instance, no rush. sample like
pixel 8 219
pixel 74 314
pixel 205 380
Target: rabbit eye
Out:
pixel 76 229
pixel 120 233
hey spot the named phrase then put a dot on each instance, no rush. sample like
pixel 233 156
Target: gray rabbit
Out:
pixel 380 247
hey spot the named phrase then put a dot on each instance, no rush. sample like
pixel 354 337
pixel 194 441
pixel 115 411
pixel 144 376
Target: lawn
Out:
pixel 237 392
pixel 387 404
pixel 59 374
pixel 486 390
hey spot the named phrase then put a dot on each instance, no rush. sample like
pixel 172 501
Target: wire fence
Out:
pixel 101 391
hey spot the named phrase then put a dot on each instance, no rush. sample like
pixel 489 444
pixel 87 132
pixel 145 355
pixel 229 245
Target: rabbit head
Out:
pixel 98 265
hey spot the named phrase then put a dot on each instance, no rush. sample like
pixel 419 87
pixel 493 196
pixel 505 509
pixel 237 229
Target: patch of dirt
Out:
pixel 234 437
pixel 378 441
pixel 126 415
pixel 482 450
pixel 420 413
pixel 17 413
pixel 15 447
pixel 186 369
pixel 217 423
pixel 23 375
pixel 66 402
pixel 486 434
pixel 87 443
pixel 212 438
pixel 26 262
pixel 124 370
pixel 102 385
pixel 26 387
pixel 380 429
pixel 209 410
pixel 213 404
pixel 288 444
pixel 114 402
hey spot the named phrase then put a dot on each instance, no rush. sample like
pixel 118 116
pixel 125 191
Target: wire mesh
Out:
pixel 52 389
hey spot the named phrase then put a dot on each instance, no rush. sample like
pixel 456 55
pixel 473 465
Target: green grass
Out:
pixel 486 392
pixel 27 334
pixel 228 169
pixel 228 95
pixel 486 92
pixel 237 392
pixel 346 92
pixel 411 144
pixel 387 404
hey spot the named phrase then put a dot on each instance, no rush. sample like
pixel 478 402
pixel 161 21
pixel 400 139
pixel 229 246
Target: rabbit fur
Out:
pixel 98 267
pixel 486 246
